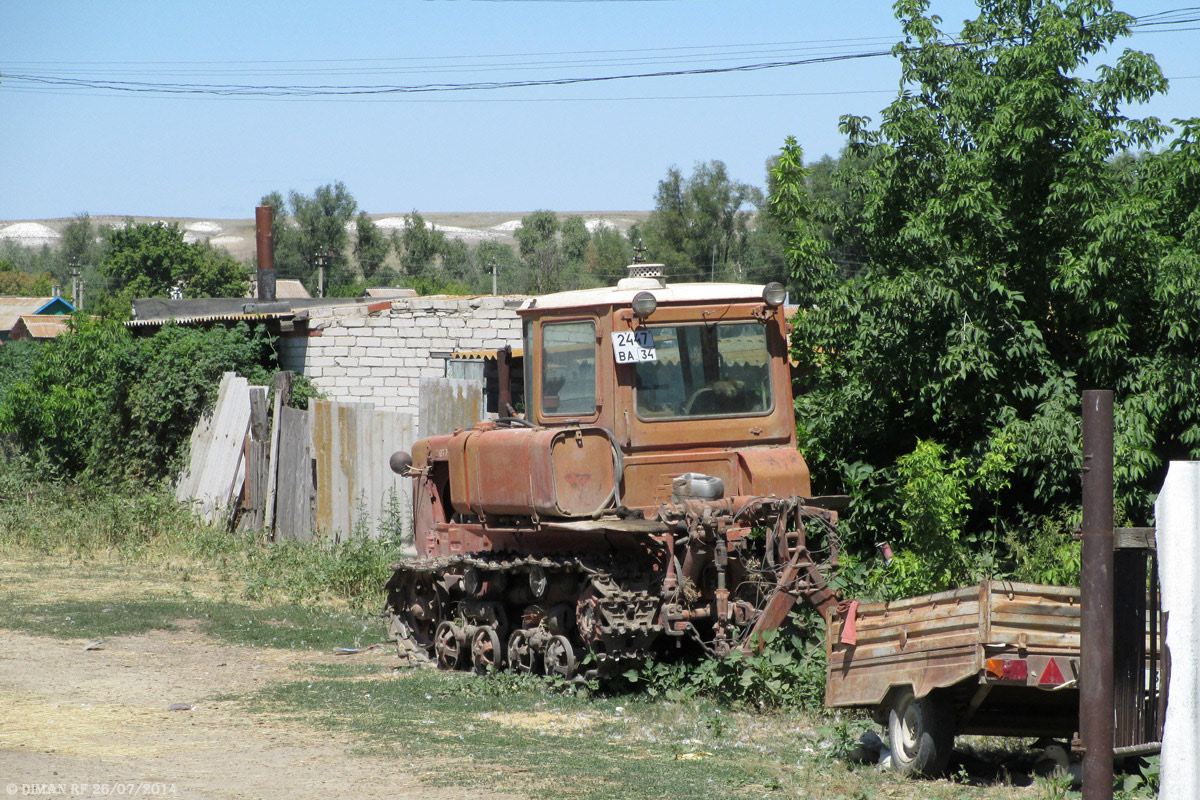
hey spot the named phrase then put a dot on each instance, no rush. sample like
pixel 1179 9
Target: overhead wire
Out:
pixel 62 78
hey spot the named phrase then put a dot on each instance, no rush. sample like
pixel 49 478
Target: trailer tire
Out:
pixel 920 733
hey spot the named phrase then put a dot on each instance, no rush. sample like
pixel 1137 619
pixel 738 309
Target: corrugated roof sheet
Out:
pixel 483 355
pixel 40 326
pixel 13 308
pixel 144 323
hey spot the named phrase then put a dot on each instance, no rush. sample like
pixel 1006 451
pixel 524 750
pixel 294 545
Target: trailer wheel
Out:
pixel 921 733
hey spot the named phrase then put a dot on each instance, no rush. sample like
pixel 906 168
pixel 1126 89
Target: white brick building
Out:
pixel 379 352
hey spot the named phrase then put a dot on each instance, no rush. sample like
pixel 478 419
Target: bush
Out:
pixel 789 671
pixel 98 402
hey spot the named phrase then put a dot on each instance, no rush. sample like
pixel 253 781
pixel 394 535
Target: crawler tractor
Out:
pixel 651 497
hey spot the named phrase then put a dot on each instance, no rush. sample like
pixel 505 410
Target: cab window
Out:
pixel 706 370
pixel 569 368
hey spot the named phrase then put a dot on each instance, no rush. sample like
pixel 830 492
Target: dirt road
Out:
pixel 96 723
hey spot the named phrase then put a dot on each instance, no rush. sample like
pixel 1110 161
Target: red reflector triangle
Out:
pixel 1051 675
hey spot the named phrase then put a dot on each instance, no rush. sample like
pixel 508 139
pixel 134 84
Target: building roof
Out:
pixel 13 308
pixel 40 326
pixel 624 294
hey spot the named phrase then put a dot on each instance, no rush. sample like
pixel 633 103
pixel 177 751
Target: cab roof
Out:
pixel 623 294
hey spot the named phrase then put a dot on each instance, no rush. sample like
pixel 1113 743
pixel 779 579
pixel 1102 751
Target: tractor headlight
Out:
pixel 644 304
pixel 774 294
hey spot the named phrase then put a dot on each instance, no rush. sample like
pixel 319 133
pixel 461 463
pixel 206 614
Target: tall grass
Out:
pixel 134 523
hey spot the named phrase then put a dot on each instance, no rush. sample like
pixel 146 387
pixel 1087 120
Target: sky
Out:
pixel 591 146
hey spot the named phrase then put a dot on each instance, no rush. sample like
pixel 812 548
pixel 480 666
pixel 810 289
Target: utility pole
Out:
pixel 76 288
pixel 494 278
pixel 320 259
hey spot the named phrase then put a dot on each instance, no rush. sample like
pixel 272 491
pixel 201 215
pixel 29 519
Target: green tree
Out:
pixel 699 225
pixel 308 228
pixel 153 260
pixel 541 253
pixel 321 221
pixel 82 241
pixel 488 254
pixel 608 255
pixel 418 246
pixel 370 246
pixel 215 273
pixel 97 401
pixel 793 212
pixel 27 284
pixel 1009 265
pixel 290 261
pixel 575 240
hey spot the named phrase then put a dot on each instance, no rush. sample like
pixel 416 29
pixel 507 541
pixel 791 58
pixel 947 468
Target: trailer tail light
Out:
pixel 1008 669
pixel 1051 675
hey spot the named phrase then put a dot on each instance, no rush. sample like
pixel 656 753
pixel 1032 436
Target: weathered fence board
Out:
pixel 254 497
pixel 258 413
pixel 198 447
pixel 446 404
pixel 215 476
pixel 283 396
pixel 294 487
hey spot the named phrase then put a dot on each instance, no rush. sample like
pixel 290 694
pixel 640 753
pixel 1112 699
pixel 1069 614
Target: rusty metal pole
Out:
pixel 264 230
pixel 1096 597
pixel 504 380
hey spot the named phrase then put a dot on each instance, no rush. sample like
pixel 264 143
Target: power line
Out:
pixel 1158 22
pixel 285 90
pixel 848 41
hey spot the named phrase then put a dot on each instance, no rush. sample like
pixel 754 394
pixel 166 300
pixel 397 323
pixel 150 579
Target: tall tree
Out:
pixel 699 225
pixel 419 246
pixel 370 246
pixel 321 222
pixel 541 253
pixel 18 282
pixel 153 260
pixel 1009 266
pixel 609 253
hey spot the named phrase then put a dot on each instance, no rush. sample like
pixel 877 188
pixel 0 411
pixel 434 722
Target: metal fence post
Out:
pixel 1096 721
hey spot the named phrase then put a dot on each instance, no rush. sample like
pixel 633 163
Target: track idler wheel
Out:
pixel 448 645
pixel 522 656
pixel 560 658
pixel 486 654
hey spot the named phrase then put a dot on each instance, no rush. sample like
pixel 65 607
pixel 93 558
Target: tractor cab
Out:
pixel 689 377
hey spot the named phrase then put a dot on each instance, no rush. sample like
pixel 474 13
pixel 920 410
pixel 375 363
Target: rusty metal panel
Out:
pixel 356 491
pixel 446 405
pixel 322 447
pixel 774 471
pixel 940 640
pixel 532 471
pixel 1040 619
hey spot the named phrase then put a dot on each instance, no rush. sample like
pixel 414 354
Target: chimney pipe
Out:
pixel 264 220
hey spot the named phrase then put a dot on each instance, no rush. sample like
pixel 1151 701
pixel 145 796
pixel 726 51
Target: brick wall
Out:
pixel 379 352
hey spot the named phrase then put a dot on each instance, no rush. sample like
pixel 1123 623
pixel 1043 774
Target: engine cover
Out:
pixel 526 472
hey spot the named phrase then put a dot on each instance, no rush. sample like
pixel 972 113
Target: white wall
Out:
pixel 1177 528
pixel 379 352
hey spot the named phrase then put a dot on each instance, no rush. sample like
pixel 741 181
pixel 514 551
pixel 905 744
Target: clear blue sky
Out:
pixel 589 146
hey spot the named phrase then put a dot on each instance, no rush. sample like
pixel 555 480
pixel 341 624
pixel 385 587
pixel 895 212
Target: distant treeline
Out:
pixel 704 226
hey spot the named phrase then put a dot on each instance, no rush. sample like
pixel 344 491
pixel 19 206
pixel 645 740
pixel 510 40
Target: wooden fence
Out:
pixel 319 472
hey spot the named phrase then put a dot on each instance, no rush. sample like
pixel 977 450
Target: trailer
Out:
pixel 1000 658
